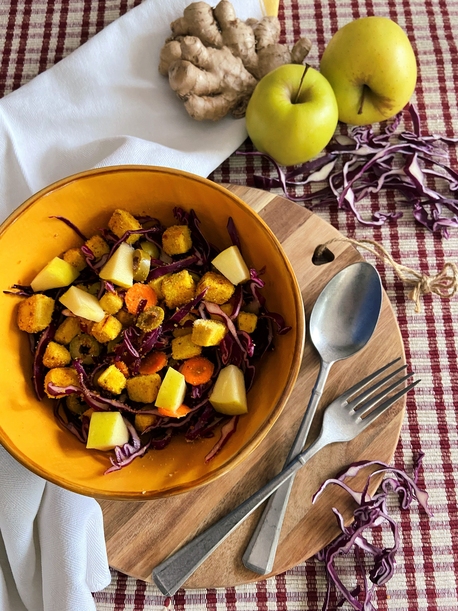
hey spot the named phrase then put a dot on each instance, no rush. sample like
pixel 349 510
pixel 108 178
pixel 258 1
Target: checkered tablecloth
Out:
pixel 36 34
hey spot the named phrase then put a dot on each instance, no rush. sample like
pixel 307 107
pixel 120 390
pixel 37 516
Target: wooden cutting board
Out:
pixel 139 535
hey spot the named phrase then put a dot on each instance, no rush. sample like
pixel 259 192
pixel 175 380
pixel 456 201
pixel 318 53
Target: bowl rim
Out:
pixel 262 432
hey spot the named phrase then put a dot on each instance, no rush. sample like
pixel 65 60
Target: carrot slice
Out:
pixel 137 293
pixel 179 413
pixel 153 362
pixel 197 370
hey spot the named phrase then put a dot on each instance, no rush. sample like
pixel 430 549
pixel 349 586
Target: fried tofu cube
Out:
pixel 107 329
pixel 67 330
pixel 56 355
pixel 184 326
pixel 143 388
pixel 178 289
pixel 122 221
pixel 143 421
pixel 125 318
pixel 61 376
pixel 176 240
pixel 111 302
pixel 35 313
pixel 75 257
pixel 184 348
pixel 156 285
pixel 247 321
pixel 112 380
pixel 98 246
pixel 208 332
pixel 219 288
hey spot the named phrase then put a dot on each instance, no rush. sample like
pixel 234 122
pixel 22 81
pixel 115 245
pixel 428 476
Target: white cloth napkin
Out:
pixel 105 104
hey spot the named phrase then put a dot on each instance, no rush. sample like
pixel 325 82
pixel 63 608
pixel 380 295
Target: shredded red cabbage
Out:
pixel 364 162
pixel 371 512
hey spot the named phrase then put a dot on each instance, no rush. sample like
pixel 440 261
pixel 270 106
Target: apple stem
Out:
pixel 361 104
pixel 296 97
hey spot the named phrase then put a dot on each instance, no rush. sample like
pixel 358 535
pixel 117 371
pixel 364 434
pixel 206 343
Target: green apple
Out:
pixel 55 274
pixel 292 114
pixel 372 68
pixel 231 264
pixel 83 304
pixel 171 391
pixel 106 431
pixel 229 395
pixel 119 268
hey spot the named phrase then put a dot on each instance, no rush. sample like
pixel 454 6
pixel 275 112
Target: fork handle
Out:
pixel 260 553
pixel 172 573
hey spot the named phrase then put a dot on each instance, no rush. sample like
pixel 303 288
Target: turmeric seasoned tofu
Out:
pixel 143 388
pixel 247 321
pixel 178 289
pixel 75 257
pixel 143 421
pixel 176 240
pixel 67 330
pixel 98 246
pixel 219 288
pixel 35 313
pixel 156 285
pixel 56 355
pixel 184 348
pixel 122 221
pixel 111 302
pixel 112 380
pixel 107 329
pixel 61 376
pixel 208 332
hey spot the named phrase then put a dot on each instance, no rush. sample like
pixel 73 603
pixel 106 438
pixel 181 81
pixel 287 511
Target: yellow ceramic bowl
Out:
pixel 29 238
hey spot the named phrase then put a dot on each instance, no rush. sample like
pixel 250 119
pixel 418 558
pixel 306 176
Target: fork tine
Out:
pixel 370 391
pixel 375 413
pixel 372 402
pixel 365 381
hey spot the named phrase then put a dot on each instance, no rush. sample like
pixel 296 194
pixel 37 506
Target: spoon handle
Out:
pixel 260 553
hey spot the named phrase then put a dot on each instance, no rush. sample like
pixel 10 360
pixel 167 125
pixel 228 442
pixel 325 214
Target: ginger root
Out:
pixel 214 60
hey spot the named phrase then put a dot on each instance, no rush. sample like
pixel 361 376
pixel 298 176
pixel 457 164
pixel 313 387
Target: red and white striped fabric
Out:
pixel 38 33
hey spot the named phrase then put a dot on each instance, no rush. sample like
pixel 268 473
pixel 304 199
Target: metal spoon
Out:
pixel 343 320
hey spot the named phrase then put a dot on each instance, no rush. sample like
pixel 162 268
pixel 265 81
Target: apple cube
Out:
pixel 171 391
pixel 119 268
pixel 55 274
pixel 230 263
pixel 82 304
pixel 229 393
pixel 106 431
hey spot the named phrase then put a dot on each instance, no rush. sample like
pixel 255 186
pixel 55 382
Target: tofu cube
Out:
pixel 56 355
pixel 75 257
pixel 247 321
pixel 35 313
pixel 143 421
pixel 111 302
pixel 156 285
pixel 107 329
pixel 176 240
pixel 143 388
pixel 184 348
pixel 122 221
pixel 219 288
pixel 67 330
pixel 61 376
pixel 98 246
pixel 178 289
pixel 112 380
pixel 208 332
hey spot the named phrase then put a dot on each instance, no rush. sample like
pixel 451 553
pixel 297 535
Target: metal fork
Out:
pixel 342 421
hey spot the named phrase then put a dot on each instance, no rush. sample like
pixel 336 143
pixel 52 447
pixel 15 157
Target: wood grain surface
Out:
pixel 139 535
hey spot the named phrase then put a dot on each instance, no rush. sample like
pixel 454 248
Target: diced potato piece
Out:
pixel 143 388
pixel 67 330
pixel 55 274
pixel 35 313
pixel 56 355
pixel 119 268
pixel 82 304
pixel 112 379
pixel 106 431
pixel 232 265
pixel 229 393
pixel 172 390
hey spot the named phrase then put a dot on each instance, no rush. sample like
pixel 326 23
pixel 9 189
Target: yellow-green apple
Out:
pixel 372 68
pixel 292 114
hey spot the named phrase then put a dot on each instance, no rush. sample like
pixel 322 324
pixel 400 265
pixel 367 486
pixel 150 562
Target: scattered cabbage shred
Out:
pixel 364 162
pixel 371 512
